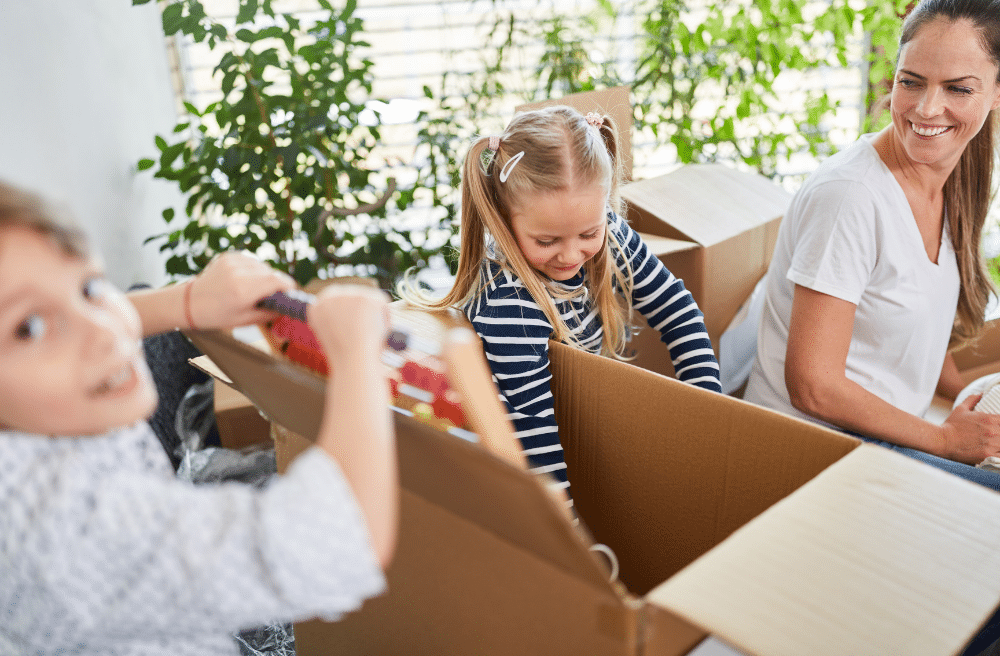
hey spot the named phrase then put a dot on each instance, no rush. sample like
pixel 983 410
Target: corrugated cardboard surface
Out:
pixel 615 102
pixel 981 356
pixel 788 583
pixel 732 217
pixel 662 471
pixel 705 203
pixel 240 424
pixel 470 574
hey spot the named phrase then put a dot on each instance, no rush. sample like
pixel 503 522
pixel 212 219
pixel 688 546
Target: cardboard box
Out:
pixel 980 357
pixel 239 422
pixel 854 550
pixel 614 102
pixel 729 221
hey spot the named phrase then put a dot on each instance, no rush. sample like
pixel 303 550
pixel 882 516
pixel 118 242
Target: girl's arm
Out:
pixel 222 296
pixel 351 323
pixel 669 308
pixel 819 338
pixel 515 336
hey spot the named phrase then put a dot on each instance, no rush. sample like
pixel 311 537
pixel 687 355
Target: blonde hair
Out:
pixel 561 151
pixel 22 208
pixel 969 188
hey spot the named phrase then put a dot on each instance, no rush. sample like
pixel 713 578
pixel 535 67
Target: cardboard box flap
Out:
pixel 471 483
pixel 879 554
pixel 704 203
pixel 660 246
pixel 286 393
pixel 453 473
pixel 662 471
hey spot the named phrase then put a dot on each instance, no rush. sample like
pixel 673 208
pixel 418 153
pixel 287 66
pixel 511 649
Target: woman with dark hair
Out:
pixel 878 269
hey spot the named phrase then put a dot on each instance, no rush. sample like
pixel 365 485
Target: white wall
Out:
pixel 85 88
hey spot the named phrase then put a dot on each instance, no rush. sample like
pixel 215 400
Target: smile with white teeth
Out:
pixel 929 132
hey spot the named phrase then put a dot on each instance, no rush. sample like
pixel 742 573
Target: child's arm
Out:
pixel 351 323
pixel 670 308
pixel 224 295
pixel 515 336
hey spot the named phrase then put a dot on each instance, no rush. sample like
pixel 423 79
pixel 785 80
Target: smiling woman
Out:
pixel 878 266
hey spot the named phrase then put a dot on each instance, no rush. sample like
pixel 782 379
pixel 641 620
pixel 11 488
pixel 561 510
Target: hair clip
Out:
pixel 494 144
pixel 509 166
pixel 595 119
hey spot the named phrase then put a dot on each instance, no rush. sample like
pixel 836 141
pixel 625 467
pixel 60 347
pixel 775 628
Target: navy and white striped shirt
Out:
pixel 515 334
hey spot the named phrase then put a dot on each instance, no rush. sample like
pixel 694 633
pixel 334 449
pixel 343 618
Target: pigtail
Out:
pixel 609 134
pixel 478 200
pixel 611 285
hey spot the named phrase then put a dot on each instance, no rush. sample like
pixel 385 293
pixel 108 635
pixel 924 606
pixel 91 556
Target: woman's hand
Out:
pixel 969 436
pixel 225 294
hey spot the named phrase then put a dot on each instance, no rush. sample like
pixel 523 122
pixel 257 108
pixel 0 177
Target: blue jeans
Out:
pixel 984 477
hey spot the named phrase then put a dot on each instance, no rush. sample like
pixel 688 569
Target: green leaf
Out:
pixel 144 164
pixel 248 11
pixel 168 214
pixel 172 18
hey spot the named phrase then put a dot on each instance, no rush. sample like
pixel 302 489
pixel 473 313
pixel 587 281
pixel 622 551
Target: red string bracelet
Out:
pixel 187 303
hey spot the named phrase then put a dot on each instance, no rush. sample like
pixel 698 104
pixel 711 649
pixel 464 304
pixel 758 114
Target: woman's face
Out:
pixel 945 86
pixel 71 359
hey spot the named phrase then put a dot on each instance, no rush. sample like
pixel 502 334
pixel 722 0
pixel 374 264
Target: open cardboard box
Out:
pixel 720 225
pixel 729 521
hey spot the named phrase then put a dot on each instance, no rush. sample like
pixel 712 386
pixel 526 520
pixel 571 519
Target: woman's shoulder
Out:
pixel 857 166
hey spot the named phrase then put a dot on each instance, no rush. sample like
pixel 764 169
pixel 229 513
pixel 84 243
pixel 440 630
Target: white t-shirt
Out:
pixel 850 233
pixel 103 552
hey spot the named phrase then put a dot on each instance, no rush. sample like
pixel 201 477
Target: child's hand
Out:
pixel 350 321
pixel 225 294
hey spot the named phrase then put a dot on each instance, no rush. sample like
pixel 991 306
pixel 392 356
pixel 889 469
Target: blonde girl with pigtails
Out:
pixel 546 255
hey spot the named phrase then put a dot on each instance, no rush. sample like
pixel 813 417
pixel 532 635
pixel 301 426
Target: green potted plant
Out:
pixel 281 163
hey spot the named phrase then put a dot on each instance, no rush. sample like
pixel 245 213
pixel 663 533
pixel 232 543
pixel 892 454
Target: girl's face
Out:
pixel 71 360
pixel 559 231
pixel 945 87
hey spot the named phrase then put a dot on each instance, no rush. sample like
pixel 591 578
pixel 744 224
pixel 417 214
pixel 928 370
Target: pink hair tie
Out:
pixel 595 119
pixel 494 144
